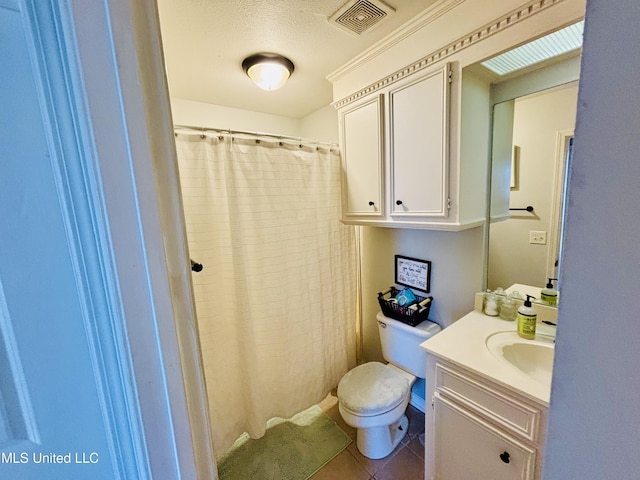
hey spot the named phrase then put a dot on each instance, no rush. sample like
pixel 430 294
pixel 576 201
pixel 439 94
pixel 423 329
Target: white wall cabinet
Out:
pixel 395 148
pixel 403 165
pixel 418 145
pixel 362 140
pixel 477 429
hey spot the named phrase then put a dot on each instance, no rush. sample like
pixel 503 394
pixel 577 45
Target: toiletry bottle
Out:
pixel 549 295
pixel 527 318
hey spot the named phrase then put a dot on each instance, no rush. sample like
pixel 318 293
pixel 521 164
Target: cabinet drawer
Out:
pixel 494 404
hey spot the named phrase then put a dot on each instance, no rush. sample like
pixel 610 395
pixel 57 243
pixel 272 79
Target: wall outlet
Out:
pixel 538 237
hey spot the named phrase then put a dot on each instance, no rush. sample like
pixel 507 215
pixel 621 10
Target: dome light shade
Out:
pixel 268 71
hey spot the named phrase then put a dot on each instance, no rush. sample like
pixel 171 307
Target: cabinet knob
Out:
pixel 504 456
pixel 398 202
pixel 371 204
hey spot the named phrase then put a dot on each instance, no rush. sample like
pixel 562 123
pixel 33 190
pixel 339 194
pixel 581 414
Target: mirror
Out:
pixel 532 139
pixel 534 114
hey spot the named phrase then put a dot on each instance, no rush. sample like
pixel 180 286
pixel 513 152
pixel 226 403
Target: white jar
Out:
pixel 491 305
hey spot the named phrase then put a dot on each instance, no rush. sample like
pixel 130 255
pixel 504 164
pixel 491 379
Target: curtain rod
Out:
pixel 230 131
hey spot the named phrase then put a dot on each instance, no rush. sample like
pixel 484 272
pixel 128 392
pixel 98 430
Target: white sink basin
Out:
pixel 534 358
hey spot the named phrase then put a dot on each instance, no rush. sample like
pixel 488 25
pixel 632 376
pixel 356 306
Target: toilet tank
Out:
pixel 401 343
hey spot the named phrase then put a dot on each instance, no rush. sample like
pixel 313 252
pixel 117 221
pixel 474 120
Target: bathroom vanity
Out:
pixel 489 392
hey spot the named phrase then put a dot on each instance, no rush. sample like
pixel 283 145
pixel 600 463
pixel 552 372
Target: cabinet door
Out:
pixel 419 136
pixel 362 159
pixel 468 448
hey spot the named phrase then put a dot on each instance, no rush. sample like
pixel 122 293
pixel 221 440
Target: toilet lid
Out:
pixel 372 388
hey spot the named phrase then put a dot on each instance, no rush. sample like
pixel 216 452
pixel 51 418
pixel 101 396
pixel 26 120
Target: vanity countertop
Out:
pixel 463 343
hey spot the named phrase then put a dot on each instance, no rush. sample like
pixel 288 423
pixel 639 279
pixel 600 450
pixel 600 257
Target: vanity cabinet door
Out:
pixel 419 139
pixel 363 160
pixel 468 448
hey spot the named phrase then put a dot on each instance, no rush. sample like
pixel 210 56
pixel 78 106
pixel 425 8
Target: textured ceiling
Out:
pixel 205 42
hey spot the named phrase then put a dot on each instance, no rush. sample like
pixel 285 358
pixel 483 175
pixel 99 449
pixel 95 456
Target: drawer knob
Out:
pixel 504 456
pixel 398 202
pixel 371 204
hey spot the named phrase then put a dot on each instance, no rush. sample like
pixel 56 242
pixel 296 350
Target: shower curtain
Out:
pixel 276 300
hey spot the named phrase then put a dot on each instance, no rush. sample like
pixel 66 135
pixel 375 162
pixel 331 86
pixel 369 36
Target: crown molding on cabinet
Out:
pixel 502 23
pixel 432 13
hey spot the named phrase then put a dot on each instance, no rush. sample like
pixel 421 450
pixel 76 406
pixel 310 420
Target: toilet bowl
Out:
pixel 373 397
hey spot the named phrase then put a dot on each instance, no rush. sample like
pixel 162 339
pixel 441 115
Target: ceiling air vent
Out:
pixel 358 16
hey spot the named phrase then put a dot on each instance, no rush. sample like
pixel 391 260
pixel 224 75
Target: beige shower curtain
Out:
pixel 276 300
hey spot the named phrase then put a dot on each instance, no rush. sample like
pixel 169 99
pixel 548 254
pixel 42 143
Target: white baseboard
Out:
pixel 417 402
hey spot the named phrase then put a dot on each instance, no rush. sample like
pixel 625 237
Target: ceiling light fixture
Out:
pixel 269 71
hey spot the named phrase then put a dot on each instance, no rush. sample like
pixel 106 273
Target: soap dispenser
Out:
pixel 549 295
pixel 527 318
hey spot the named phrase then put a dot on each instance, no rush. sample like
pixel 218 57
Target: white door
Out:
pixel 56 420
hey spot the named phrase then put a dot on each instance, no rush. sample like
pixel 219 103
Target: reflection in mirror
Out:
pixel 531 140
pixel 533 121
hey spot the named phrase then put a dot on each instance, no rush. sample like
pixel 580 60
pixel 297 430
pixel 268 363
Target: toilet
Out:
pixel 373 397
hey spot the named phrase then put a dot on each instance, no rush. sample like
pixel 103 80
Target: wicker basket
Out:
pixel 406 314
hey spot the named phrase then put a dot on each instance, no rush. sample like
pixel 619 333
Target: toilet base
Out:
pixel 378 442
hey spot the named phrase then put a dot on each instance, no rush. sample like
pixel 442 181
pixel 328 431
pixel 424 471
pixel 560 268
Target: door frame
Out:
pixel 104 96
pixel 557 200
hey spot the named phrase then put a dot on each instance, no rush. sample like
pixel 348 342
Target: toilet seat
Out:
pixel 372 389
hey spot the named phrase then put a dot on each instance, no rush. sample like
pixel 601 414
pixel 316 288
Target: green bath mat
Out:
pixel 292 449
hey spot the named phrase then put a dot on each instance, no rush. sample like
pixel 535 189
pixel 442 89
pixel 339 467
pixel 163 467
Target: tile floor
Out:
pixel 405 462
